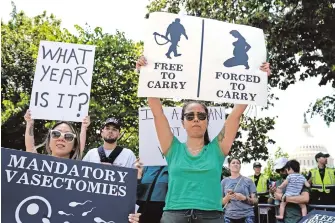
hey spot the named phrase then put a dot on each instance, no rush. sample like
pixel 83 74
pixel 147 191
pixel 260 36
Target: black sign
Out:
pixel 316 216
pixel 45 189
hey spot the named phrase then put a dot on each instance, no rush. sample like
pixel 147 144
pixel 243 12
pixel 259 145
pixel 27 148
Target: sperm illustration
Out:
pixel 74 204
pixel 99 220
pixel 86 212
pixel 63 213
pixel 45 220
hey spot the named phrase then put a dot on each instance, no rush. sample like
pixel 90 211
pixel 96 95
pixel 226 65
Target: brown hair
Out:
pixel 230 159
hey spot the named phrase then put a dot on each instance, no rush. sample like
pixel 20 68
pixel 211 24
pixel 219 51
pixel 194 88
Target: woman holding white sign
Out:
pixel 195 167
pixel 61 141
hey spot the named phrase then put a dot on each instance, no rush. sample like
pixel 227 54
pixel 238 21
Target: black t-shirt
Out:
pixel 256 179
pixel 321 171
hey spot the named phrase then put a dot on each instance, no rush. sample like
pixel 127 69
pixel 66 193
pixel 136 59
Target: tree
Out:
pixel 268 170
pixel 114 83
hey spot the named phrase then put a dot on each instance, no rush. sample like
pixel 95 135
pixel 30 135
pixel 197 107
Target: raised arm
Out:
pixel 84 125
pixel 227 135
pixel 29 134
pixel 162 125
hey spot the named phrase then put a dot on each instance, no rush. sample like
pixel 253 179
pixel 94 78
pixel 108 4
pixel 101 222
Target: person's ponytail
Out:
pixel 206 137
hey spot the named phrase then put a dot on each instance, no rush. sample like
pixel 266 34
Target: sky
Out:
pixel 128 16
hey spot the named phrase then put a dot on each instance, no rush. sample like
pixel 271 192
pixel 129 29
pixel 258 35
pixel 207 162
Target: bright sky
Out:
pixel 128 16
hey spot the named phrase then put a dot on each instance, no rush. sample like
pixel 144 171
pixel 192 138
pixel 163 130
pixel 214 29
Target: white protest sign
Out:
pixel 149 147
pixel 62 81
pixel 195 58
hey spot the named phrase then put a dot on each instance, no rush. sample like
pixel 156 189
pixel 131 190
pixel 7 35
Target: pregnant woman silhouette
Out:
pixel 241 47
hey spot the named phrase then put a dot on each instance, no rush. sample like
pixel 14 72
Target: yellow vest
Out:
pixel 262 184
pixel 327 183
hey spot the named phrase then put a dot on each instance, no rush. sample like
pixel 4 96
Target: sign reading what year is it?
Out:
pixel 62 81
pixel 186 60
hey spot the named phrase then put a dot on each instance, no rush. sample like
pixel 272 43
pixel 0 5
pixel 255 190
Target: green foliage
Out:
pixel 114 83
pixel 268 170
pixel 225 172
pixel 324 107
pixel 19 46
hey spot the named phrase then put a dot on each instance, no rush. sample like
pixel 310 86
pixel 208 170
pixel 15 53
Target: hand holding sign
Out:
pixel 139 167
pixel 86 123
pixel 140 62
pixel 27 118
pixel 266 68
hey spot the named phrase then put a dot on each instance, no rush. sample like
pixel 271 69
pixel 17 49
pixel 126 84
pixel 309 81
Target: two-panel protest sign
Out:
pixel 150 151
pixel 40 188
pixel 195 58
pixel 62 82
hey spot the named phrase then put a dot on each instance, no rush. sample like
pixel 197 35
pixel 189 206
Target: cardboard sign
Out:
pixel 62 82
pixel 40 188
pixel 149 147
pixel 196 58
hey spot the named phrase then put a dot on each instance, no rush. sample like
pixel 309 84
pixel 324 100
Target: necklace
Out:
pixel 194 151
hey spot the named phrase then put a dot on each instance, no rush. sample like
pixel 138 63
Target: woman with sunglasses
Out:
pixel 61 141
pixel 194 193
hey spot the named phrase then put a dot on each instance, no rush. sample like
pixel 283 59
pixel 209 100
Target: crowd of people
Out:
pixel 188 189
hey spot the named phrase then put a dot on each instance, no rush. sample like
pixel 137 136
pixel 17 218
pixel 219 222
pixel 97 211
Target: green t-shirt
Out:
pixel 194 181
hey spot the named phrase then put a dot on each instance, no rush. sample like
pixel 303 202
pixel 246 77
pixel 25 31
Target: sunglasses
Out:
pixel 191 115
pixel 68 136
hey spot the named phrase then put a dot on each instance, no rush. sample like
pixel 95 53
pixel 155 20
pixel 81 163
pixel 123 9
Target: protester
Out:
pixel 239 195
pixel 110 153
pixel 151 192
pixel 292 210
pixel 322 180
pixel 195 166
pixel 61 141
pixel 293 184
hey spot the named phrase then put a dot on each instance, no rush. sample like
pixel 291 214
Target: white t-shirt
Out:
pixel 125 159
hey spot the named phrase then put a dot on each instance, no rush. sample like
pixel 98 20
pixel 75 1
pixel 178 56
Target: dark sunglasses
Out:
pixel 191 115
pixel 68 136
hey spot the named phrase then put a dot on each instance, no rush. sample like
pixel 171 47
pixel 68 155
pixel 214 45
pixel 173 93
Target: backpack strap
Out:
pixel 111 158
pixel 151 189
